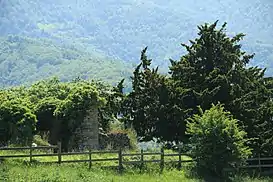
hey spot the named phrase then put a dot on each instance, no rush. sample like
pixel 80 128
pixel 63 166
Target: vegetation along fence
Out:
pixel 156 157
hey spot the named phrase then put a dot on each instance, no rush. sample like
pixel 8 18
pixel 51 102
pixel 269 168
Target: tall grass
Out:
pixel 13 170
pixel 25 172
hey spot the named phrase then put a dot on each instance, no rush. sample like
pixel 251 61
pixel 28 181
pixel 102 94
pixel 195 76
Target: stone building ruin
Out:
pixel 86 135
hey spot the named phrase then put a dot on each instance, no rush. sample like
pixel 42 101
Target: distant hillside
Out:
pixel 120 29
pixel 24 60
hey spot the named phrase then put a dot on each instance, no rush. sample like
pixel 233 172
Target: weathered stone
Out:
pixel 87 135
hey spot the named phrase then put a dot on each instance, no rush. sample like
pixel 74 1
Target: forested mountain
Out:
pixel 120 29
pixel 24 60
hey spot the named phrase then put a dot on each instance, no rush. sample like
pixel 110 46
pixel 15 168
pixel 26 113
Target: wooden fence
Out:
pixel 253 163
pixel 120 156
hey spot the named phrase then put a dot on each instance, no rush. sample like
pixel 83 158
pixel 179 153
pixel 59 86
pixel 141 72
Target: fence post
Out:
pixel 90 159
pixel 179 160
pixel 120 160
pixel 141 160
pixel 260 169
pixel 162 160
pixel 59 152
pixel 30 153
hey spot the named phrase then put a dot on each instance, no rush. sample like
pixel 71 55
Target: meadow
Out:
pixel 14 172
pixel 21 170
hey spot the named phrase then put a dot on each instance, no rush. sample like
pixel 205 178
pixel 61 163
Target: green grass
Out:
pixel 83 157
pixel 13 170
pixel 16 172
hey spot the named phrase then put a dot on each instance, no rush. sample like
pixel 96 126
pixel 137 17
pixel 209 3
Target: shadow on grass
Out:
pixel 209 176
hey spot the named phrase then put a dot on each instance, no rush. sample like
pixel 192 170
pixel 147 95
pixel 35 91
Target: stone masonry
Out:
pixel 87 135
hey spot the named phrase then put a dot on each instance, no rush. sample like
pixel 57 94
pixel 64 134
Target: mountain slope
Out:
pixel 121 28
pixel 25 60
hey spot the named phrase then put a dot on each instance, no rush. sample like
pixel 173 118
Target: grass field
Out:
pixel 75 173
pixel 13 170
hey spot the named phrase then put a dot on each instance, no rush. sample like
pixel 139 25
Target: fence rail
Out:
pixel 120 157
pixel 28 148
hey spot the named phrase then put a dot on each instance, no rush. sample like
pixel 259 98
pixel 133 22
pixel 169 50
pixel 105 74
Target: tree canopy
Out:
pixel 46 104
pixel 214 70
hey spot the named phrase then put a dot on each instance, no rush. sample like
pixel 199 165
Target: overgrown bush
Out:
pixel 118 137
pixel 217 141
pixel 39 141
pixel 115 140
pixel 17 122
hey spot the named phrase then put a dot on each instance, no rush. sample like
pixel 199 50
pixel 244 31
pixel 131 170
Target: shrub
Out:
pixel 115 140
pixel 39 141
pixel 118 137
pixel 17 122
pixel 217 141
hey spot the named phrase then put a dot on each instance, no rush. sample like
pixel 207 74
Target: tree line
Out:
pixel 45 105
pixel 213 71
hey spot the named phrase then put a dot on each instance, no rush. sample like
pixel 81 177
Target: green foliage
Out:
pixel 81 98
pixel 217 141
pixel 24 61
pixel 110 112
pixel 214 70
pixel 78 172
pixel 133 138
pixel 121 28
pixel 44 110
pixel 37 139
pixel 17 122
pixel 117 127
pixel 71 111
pixel 54 107
pixel 12 171
pixel 148 107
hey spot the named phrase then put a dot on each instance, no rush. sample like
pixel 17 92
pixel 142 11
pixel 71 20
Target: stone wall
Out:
pixel 87 135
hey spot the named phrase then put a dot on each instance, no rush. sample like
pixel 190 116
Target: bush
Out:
pixel 39 141
pixel 118 137
pixel 115 140
pixel 17 122
pixel 217 141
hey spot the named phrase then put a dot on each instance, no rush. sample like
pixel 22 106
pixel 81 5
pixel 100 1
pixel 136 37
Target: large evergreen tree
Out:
pixel 148 106
pixel 214 70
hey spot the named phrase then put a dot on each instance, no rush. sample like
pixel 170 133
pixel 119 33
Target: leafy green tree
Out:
pixel 44 111
pixel 58 108
pixel 72 110
pixel 208 68
pixel 17 122
pixel 217 141
pixel 111 110
pixel 149 107
pixel 214 70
